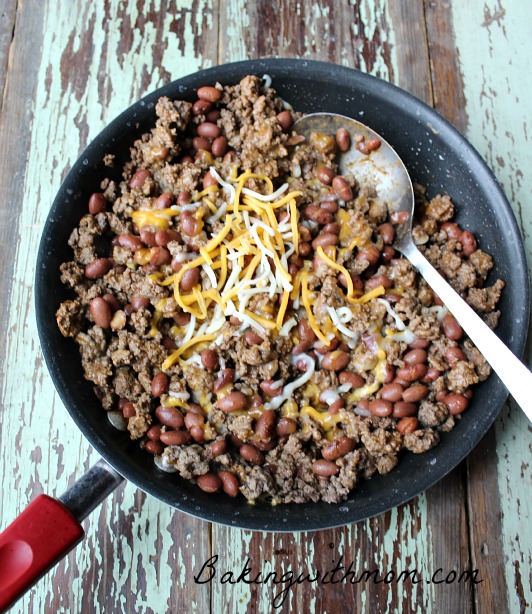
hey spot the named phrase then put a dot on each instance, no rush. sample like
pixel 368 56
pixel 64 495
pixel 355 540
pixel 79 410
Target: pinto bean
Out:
pixel 189 224
pixel 113 301
pixel 407 425
pixel 343 139
pixel 225 377
pixel 190 279
pixel 387 254
pixel 412 372
pixel 419 344
pixel 454 354
pixel 209 93
pixel 338 448
pixel 201 107
pixel 389 373
pixel 414 357
pixel 380 407
pixel 209 359
pixel 170 417
pixel 101 312
pixel 336 406
pixel 371 253
pixel 336 360
pixel 323 349
pixel 139 302
pixel 432 375
pixel 128 409
pixel 176 438
pixel 378 280
pixel 329 205
pixel 456 403
pixel 285 120
pixel 387 233
pixel 469 243
pixel 415 393
pixel 253 339
pixel 98 268
pixel 342 188
pixel 139 178
pixel 201 143
pixel 452 230
pixel 159 384
pixel 392 392
pixel 96 203
pixel 305 332
pixel 271 388
pixel 252 454
pixel 404 408
pixel 154 432
pixel 305 248
pixel 219 146
pixel 286 426
pixel 208 130
pixel 234 401
pixel 163 237
pixel 154 447
pixel 348 377
pixel 325 468
pixel 319 215
pixel 451 328
pixel 209 180
pixel 198 434
pixel 265 426
pixel 325 240
pixel 209 482
pixel 193 420
pixel 325 174
pixel 230 483
pixel 194 408
pixel 218 447
pixel 159 256
pixel 358 284
pixel 368 146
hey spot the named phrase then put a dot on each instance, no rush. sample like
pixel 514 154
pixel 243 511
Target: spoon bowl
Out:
pixel 383 170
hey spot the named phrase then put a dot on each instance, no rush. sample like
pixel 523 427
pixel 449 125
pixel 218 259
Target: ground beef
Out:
pixel 137 319
pixel 421 440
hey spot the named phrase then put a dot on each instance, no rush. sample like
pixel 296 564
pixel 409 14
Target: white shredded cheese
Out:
pixel 398 322
pixel 267 198
pixel 302 379
pixel 287 327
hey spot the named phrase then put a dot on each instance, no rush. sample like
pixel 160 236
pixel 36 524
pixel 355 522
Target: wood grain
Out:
pixel 77 71
pixel 492 64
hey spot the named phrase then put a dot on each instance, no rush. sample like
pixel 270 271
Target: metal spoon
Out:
pixel 384 170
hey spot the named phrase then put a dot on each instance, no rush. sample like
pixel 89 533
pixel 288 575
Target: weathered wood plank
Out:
pixel 7 33
pixel 484 94
pixel 91 62
pixel 389 41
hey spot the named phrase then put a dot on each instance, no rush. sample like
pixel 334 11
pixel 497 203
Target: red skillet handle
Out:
pixel 32 544
pixel 46 530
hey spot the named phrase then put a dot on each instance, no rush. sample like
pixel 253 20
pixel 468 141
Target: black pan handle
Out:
pixel 91 489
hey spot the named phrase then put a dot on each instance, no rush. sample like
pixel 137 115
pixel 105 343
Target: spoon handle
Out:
pixel 512 372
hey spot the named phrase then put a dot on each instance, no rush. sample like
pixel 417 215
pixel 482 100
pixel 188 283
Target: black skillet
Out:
pixel 435 154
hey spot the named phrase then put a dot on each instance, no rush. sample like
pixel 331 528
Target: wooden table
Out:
pixel 66 69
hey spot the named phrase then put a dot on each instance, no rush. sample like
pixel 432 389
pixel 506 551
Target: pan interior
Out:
pixel 435 155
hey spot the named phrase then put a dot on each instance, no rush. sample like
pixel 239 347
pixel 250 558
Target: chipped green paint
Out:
pixel 495 65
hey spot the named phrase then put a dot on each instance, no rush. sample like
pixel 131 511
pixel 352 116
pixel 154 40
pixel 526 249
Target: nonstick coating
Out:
pixel 435 154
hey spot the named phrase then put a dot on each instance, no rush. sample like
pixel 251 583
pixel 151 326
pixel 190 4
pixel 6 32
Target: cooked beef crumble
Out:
pixel 242 312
